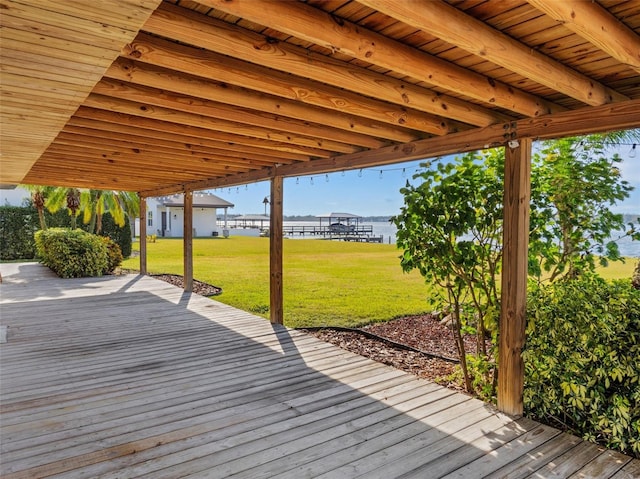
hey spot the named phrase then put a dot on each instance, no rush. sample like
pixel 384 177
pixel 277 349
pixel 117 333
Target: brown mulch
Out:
pixel 422 332
pixel 199 287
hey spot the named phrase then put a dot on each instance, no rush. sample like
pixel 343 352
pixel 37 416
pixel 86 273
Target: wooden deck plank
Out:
pixel 129 377
pixel 605 465
pixel 630 471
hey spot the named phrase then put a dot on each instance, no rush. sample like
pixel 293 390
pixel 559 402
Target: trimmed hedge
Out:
pixel 17 226
pixel 120 234
pixel 19 223
pixel 582 360
pixel 72 253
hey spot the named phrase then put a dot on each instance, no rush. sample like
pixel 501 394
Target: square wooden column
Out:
pixel 187 238
pixel 143 235
pixel 275 252
pixel 517 196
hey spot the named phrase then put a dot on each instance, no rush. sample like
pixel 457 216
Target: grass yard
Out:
pixel 325 282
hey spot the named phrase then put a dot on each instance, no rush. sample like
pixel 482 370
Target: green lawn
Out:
pixel 325 282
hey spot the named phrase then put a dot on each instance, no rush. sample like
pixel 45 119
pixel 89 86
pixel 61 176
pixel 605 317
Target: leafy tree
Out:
pixel 573 186
pixel 450 229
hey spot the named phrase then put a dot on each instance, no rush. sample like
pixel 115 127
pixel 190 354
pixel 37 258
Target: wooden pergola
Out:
pixel 162 97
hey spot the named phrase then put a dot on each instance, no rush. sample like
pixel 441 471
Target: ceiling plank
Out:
pixel 456 27
pixel 222 111
pixel 169 80
pixel 597 26
pixel 314 25
pixel 49 35
pixel 215 35
pixel 213 66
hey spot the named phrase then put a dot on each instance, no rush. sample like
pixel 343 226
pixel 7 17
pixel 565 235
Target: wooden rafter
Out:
pixel 597 26
pixel 208 121
pixel 218 36
pixel 213 66
pixel 618 116
pixel 158 128
pixel 456 27
pixel 167 80
pixel 319 27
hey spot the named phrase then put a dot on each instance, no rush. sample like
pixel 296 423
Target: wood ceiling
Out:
pixel 158 97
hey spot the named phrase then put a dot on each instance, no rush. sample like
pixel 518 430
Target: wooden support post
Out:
pixel 517 195
pixel 275 251
pixel 188 241
pixel 143 235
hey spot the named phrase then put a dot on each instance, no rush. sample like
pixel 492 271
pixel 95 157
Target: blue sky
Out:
pixel 371 193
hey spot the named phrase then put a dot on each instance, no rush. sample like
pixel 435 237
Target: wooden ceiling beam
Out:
pixel 164 174
pixel 457 28
pixel 159 128
pixel 76 135
pixel 597 26
pixel 191 158
pixel 186 84
pixel 213 66
pixel 182 118
pixel 609 117
pixel 334 138
pixel 215 35
pixel 107 130
pixel 78 178
pixel 314 25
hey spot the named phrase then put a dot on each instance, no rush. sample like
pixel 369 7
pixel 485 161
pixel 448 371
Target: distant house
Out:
pixel 165 215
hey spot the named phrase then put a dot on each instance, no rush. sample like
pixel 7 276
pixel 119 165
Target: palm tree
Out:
pixel 119 204
pixel 39 195
pixel 65 197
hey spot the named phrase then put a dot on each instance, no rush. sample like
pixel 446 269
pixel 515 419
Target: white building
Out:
pixel 165 215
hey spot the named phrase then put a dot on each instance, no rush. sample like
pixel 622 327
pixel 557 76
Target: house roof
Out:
pixel 200 200
pixel 162 96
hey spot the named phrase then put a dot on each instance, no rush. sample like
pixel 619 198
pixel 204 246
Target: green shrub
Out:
pixel 17 225
pixel 72 253
pixel 582 360
pixel 120 234
pixel 114 254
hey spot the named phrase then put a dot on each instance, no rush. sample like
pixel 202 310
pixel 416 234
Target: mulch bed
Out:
pixel 203 289
pixel 422 332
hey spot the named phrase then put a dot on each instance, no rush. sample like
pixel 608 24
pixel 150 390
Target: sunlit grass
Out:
pixel 325 282
pixel 618 270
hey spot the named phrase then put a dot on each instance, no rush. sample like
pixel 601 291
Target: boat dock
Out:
pixel 359 233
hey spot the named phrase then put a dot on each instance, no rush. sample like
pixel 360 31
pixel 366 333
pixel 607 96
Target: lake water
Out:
pixel 388 231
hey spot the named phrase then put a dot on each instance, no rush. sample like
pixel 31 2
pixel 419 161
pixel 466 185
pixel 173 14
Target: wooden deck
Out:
pixel 122 377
